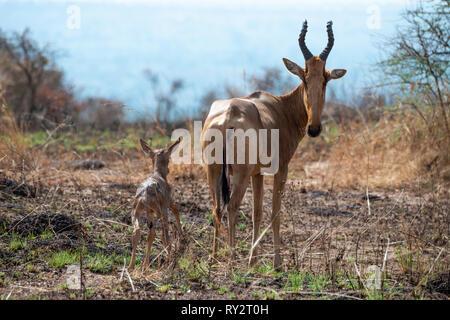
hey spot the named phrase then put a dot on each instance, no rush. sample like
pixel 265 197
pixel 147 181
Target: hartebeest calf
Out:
pixel 153 196
pixel 293 114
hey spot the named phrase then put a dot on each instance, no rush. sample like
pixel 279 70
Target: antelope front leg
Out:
pixel 257 190
pixel 278 186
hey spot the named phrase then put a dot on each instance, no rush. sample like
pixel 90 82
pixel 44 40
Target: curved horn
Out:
pixel 324 55
pixel 301 41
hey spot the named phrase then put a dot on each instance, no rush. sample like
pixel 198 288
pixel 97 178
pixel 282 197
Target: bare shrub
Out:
pixel 33 86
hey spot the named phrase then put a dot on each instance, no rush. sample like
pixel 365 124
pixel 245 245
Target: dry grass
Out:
pixel 330 241
pixel 390 154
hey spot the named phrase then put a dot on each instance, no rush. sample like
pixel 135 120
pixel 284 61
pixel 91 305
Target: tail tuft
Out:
pixel 224 180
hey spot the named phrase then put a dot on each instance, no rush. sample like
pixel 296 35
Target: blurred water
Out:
pixel 205 44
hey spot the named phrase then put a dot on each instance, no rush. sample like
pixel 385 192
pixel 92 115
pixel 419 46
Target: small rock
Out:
pixel 317 194
pixel 73 277
pixel 87 164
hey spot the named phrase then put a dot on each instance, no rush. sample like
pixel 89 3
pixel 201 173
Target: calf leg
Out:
pixel 135 237
pixel 174 208
pixel 165 229
pixel 150 237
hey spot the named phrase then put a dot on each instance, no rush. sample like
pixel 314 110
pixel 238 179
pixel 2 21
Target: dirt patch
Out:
pixel 441 284
pixel 38 223
pixel 324 234
pixel 123 186
pixel 17 188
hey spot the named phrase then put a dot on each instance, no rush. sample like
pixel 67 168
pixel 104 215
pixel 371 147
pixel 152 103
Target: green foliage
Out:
pixel 100 263
pixel 47 234
pixel 17 243
pixel 417 61
pixel 62 258
pixel 239 277
pixel 37 138
pixel 195 270
pixel 295 281
pixel 223 289
pixel 298 281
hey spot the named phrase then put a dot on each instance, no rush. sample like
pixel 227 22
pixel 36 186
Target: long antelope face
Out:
pixel 315 78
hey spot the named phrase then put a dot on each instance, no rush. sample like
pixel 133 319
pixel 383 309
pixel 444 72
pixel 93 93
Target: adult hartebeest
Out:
pixel 292 114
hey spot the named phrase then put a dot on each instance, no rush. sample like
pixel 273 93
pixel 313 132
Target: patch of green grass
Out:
pixel 89 293
pixel 195 270
pixel 37 297
pixel 37 138
pixel 272 295
pixel 374 295
pixel 265 267
pixel 295 281
pixel 118 259
pixel 62 258
pixel 185 287
pixel 88 226
pixel 239 277
pixel 100 263
pixel 210 218
pixel 164 288
pixel 47 234
pixel 32 268
pixel 63 286
pixel 222 290
pixel 318 283
pixel 17 243
pixel 298 281
pixel 86 147
pixel 3 226
pixel 241 226
pixel 126 143
pixel 2 279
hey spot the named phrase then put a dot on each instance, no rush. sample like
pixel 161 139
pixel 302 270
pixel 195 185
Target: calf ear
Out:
pixel 336 74
pixel 173 145
pixel 146 148
pixel 294 68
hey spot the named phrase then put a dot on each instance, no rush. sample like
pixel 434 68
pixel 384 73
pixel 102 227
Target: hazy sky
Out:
pixel 106 45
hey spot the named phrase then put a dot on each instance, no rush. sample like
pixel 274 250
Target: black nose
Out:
pixel 314 131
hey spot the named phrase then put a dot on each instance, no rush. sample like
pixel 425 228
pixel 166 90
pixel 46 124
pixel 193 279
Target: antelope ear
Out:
pixel 336 73
pixel 146 148
pixel 294 68
pixel 173 145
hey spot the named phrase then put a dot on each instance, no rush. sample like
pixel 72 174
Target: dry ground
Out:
pixel 333 240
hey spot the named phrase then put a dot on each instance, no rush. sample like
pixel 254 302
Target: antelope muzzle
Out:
pixel 314 131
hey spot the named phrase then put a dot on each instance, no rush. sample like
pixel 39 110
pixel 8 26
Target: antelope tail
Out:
pixel 224 181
